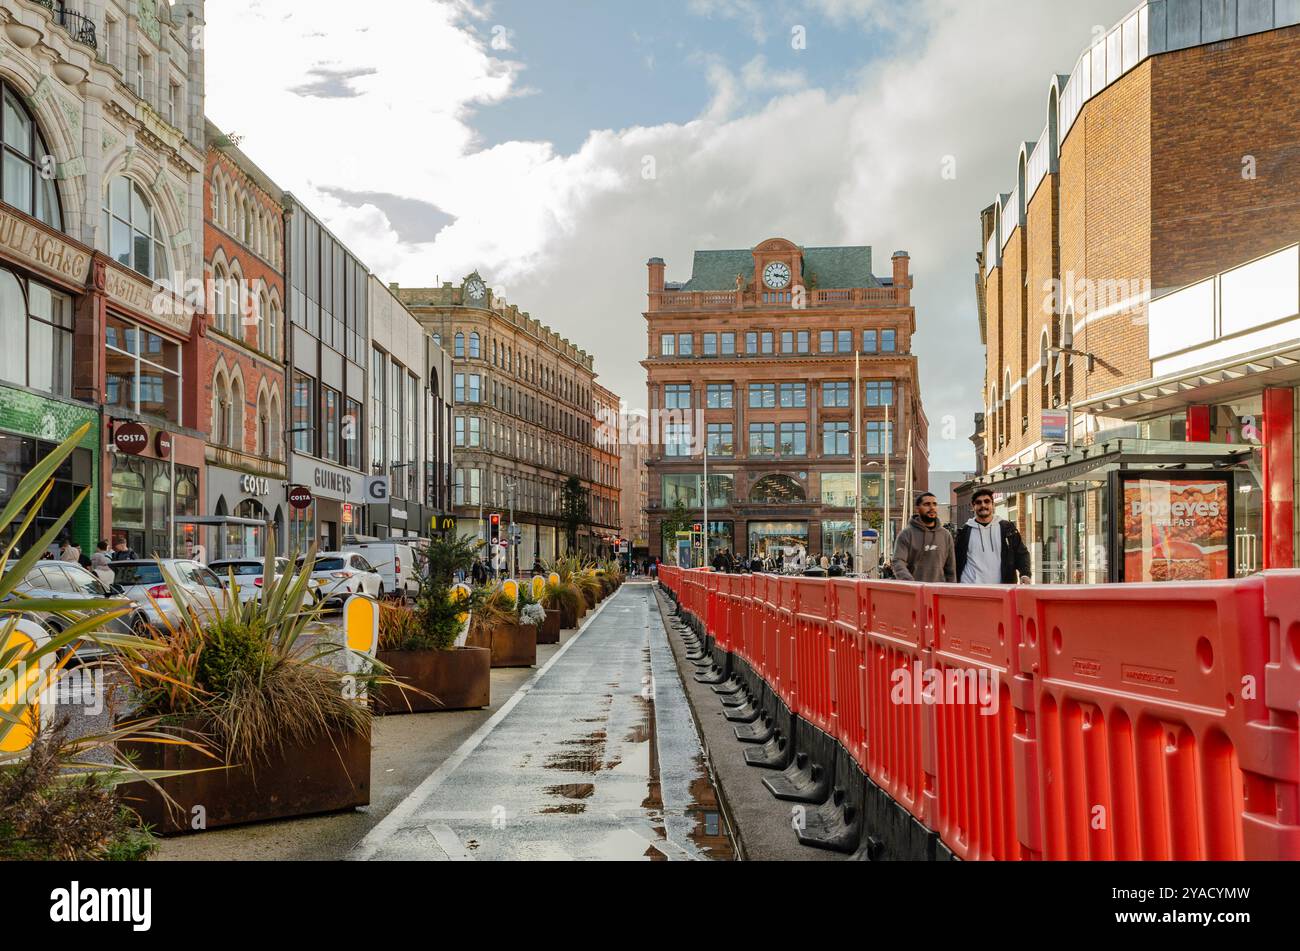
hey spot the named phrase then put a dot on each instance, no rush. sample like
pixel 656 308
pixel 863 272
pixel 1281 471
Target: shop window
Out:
pixel 303 418
pixel 36 327
pixel 142 370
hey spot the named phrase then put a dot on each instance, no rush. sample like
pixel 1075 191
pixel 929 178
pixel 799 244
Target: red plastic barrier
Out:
pixel 1271 825
pixel 984 752
pixel 848 680
pixel 1146 724
pixel 813 652
pixel 899 733
pixel 787 624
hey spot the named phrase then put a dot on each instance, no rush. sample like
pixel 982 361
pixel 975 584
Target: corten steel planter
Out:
pixel 328 774
pixel 548 632
pixel 458 679
pixel 512 645
pixel 568 617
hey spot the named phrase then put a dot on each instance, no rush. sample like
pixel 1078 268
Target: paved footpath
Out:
pixel 596 757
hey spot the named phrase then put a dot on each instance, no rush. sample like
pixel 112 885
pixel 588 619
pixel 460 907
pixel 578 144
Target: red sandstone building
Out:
pixel 241 377
pixel 1142 276
pixel 754 356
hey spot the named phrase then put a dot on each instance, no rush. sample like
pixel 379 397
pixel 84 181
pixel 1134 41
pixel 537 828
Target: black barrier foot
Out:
pixel 774 754
pixel 802 781
pixel 759 731
pixel 871 850
pixel 836 824
pixel 744 714
pixel 735 701
pixel 731 686
pixel 714 676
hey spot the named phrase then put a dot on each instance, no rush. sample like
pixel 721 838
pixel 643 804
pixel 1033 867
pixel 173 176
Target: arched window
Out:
pixel 26 158
pixel 235 426
pixel 777 488
pixel 261 321
pixel 216 200
pixel 1006 406
pixel 234 304
pixel 460 346
pixel 274 429
pixel 273 329
pixel 219 296
pixel 134 231
pixel 263 425
pixel 220 410
pixel 1045 370
pixel 474 346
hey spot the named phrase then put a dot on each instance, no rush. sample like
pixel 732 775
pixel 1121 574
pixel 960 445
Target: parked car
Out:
pixel 64 581
pixel 249 577
pixel 143 582
pixel 343 574
pixel 395 563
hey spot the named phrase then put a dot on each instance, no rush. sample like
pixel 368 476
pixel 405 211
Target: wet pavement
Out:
pixel 598 758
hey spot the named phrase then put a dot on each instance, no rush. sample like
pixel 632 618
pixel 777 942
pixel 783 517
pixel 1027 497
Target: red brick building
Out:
pixel 1166 163
pixel 241 405
pixel 754 356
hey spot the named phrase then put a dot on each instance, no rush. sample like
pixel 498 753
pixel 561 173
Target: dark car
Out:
pixel 66 581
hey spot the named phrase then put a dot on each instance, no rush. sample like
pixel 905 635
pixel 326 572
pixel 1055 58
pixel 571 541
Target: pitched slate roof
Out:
pixel 823 267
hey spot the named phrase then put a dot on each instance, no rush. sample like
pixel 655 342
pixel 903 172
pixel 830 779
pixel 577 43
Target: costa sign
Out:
pixel 162 444
pixel 130 438
pixel 300 497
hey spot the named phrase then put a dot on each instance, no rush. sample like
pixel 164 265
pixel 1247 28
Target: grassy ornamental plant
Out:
pixel 435 622
pixel 255 676
pixel 57 799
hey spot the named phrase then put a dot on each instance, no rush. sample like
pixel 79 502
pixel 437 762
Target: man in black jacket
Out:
pixel 989 551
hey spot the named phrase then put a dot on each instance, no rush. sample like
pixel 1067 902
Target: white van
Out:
pixel 394 562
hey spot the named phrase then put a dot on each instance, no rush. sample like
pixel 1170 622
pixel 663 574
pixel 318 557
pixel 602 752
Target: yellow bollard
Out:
pixel 511 588
pixel 23 679
pixel 539 587
pixel 361 624
pixel 553 578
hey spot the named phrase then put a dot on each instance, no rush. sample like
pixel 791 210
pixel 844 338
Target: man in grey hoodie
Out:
pixel 924 549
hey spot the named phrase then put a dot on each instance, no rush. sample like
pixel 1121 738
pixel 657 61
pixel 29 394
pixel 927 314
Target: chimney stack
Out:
pixel 656 267
pixel 902 280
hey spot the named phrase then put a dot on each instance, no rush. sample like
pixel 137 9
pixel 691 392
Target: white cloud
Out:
pixel 568 235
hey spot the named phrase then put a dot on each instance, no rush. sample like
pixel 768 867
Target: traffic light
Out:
pixel 496 528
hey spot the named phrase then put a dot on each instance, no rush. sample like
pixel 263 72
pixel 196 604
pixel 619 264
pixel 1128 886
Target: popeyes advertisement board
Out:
pixel 1173 529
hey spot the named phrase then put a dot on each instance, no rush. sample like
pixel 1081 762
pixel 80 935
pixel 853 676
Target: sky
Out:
pixel 556 145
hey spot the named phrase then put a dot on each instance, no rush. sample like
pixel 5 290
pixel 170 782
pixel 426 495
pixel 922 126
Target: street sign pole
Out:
pixel 857 462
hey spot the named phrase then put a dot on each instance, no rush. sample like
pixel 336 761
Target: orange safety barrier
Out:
pixel 849 603
pixel 899 733
pixel 813 650
pixel 1099 722
pixel 977 700
pixel 1150 736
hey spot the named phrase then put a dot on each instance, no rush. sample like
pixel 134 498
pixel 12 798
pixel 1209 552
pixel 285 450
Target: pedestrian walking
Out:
pixel 924 550
pixel 990 551
pixel 69 552
pixel 122 552
pixel 101 563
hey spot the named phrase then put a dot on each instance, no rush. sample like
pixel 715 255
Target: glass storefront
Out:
pixel 144 502
pixel 18 456
pixel 837 538
pixel 722 536
pixel 769 538
pixel 722 490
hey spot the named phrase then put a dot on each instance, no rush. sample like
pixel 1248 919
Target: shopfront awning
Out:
pixel 1220 382
pixel 1094 461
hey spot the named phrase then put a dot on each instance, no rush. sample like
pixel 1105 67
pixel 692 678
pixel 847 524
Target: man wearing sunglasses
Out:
pixel 990 551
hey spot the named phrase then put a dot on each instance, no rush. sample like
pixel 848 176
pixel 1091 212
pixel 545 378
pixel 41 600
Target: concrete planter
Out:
pixel 330 773
pixel 458 679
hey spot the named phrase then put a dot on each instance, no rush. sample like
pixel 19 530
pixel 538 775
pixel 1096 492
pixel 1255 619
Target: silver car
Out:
pixel 143 582
pixel 342 574
pixel 249 577
pixel 65 581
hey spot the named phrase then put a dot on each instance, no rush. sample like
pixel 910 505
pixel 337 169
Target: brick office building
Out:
pixel 755 356
pixel 1113 282
pixel 606 485
pixel 523 414
pixel 242 372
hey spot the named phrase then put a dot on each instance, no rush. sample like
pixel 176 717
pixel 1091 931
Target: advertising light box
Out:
pixel 1172 529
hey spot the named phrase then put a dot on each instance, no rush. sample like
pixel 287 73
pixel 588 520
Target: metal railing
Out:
pixel 80 28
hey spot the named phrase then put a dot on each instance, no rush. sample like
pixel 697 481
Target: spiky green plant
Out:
pixel 55 791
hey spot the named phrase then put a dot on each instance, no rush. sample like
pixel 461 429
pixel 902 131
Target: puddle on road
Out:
pixel 572 790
